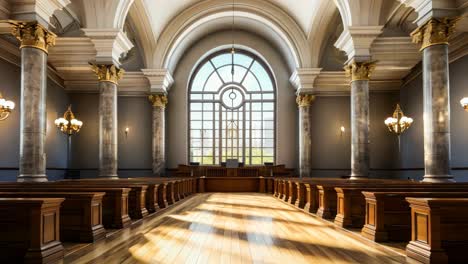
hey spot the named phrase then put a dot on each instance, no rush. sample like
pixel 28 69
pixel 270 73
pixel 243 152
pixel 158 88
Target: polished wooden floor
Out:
pixel 233 228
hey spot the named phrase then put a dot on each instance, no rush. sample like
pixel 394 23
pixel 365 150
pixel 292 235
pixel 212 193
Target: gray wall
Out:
pixel 57 102
pixel 134 151
pixel 287 115
pixel 412 155
pixel 332 149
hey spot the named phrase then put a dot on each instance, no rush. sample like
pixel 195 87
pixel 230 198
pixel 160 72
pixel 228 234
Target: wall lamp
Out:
pixel 5 107
pixel 464 103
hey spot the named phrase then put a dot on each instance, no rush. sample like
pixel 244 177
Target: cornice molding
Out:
pixel 40 10
pixel 110 44
pixel 303 79
pixel 356 41
pixel 160 80
pixel 427 9
pixel 336 83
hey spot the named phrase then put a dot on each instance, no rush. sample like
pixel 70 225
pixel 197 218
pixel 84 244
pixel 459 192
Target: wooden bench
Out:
pixel 439 230
pixel 114 202
pixel 80 214
pixel 388 215
pixel 30 230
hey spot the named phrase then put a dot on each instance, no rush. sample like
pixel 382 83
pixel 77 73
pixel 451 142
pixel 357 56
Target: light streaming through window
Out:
pixel 232 110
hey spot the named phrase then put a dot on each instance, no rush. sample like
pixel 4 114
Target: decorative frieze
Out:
pixel 108 73
pixel 33 35
pixel 436 31
pixel 304 100
pixel 158 100
pixel 359 71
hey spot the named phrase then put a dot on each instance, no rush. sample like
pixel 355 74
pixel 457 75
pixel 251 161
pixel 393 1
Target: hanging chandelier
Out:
pixel 464 103
pixel 68 124
pixel 5 107
pixel 398 123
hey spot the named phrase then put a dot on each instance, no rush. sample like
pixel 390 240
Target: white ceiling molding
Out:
pixel 110 44
pixel 160 80
pixel 325 14
pixel 337 83
pixel 427 9
pixel 360 12
pixel 356 41
pixel 303 80
pixel 4 9
pixel 132 84
pixel 40 10
pixel 262 13
pixel 140 22
pixel 105 14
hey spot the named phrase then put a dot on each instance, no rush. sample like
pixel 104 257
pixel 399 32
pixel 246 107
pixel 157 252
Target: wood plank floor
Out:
pixel 233 228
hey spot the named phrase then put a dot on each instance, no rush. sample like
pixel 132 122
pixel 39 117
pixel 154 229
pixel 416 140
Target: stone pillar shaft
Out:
pixel 434 36
pixel 108 76
pixel 304 102
pixel 159 102
pixel 108 129
pixel 360 160
pixel 35 41
pixel 360 76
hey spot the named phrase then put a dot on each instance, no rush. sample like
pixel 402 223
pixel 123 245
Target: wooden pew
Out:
pixel 80 214
pixel 439 230
pixel 292 192
pixel 170 193
pixel 351 203
pixel 114 202
pixel 301 195
pixel 388 215
pixel 30 230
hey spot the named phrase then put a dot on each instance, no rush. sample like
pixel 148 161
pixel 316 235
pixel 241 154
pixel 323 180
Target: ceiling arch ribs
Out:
pixel 173 39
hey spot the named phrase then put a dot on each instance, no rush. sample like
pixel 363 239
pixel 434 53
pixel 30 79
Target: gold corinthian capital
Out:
pixel 304 100
pixel 436 31
pixel 359 71
pixel 33 35
pixel 158 100
pixel 107 72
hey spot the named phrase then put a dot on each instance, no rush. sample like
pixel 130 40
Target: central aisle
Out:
pixel 233 228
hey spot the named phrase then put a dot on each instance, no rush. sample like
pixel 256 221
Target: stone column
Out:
pixel 360 75
pixel 434 36
pixel 304 102
pixel 159 102
pixel 108 76
pixel 35 41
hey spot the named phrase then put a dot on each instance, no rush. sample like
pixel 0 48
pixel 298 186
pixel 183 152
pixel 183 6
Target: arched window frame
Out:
pixel 268 142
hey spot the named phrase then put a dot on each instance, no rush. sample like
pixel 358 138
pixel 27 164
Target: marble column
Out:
pixel 108 76
pixel 304 102
pixel 434 36
pixel 35 41
pixel 159 102
pixel 360 76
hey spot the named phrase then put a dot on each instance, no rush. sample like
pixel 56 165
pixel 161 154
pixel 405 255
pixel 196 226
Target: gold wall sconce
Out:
pixel 464 103
pixel 127 129
pixel 342 130
pixel 6 106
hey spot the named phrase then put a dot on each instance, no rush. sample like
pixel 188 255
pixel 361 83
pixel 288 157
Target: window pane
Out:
pixel 196 124
pixel 242 59
pixel 250 83
pixel 195 116
pixel 195 151
pixel 268 143
pixel 268 125
pixel 196 106
pixel 208 116
pixel 263 77
pixel 202 75
pixel 221 60
pixel 268 134
pixel 268 106
pixel 213 83
pixel 195 133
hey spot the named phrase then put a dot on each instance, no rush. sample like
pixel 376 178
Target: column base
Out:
pixel 358 177
pixel 32 178
pixel 109 177
pixel 438 178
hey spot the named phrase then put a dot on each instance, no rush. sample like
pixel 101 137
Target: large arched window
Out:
pixel 232 110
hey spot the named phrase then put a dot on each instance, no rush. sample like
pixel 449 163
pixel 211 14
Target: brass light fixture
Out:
pixel 464 103
pixel 5 107
pixel 398 123
pixel 68 124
